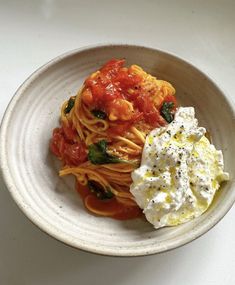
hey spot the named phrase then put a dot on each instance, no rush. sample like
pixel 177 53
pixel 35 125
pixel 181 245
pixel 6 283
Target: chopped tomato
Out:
pixel 69 133
pixel 111 93
pixel 87 97
pixel 97 92
pixel 72 153
pixel 112 87
pixel 127 80
pixel 151 114
pixel 109 84
pixel 154 119
pixel 57 143
pixel 112 67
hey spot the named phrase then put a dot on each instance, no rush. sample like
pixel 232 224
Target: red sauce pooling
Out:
pixel 109 207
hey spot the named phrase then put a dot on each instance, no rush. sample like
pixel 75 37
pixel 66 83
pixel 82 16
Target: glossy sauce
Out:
pixel 107 89
pixel 109 207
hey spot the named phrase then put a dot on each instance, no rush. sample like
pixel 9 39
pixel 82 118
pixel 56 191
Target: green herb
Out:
pixel 166 111
pixel 69 105
pixel 100 192
pixel 99 114
pixel 98 154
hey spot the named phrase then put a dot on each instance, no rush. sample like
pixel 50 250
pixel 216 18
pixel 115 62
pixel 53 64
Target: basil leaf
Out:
pixel 99 114
pixel 99 191
pixel 166 111
pixel 97 154
pixel 69 105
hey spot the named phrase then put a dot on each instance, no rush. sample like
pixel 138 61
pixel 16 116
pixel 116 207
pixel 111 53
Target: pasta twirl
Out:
pixel 102 133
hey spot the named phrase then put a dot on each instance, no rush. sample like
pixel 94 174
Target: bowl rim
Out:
pixel 46 226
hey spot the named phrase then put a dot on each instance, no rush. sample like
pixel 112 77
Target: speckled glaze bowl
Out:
pixel 31 172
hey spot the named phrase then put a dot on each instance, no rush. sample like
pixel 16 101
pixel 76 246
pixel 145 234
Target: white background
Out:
pixel 33 32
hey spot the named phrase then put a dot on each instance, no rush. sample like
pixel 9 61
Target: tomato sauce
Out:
pixel 108 207
pixel 109 91
pixel 109 87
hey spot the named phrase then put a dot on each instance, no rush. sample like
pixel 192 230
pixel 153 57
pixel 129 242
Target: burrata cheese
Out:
pixel 180 172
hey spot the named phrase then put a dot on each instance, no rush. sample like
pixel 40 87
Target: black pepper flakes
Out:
pixel 168 132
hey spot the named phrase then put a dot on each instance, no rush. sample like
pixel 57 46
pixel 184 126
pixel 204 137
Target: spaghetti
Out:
pixel 103 130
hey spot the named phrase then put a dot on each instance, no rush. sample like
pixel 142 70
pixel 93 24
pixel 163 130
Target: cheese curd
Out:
pixel 180 172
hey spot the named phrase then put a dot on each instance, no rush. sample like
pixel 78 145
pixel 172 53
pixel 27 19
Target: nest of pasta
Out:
pixel 102 133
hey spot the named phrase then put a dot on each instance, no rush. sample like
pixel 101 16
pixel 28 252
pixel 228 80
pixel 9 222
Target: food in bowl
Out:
pixel 180 172
pixel 119 115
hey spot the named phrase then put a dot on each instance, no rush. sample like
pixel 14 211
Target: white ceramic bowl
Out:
pixel 30 170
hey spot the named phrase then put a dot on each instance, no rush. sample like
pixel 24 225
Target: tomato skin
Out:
pixel 57 143
pixel 110 83
pixel 154 119
pixel 144 104
pixel 72 153
pixel 127 80
pixel 113 82
pixel 87 97
pixel 69 133
pixel 112 67
pixel 111 93
pixel 97 92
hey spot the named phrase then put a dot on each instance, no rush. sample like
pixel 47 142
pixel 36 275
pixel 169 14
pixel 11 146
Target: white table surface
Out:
pixel 33 32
